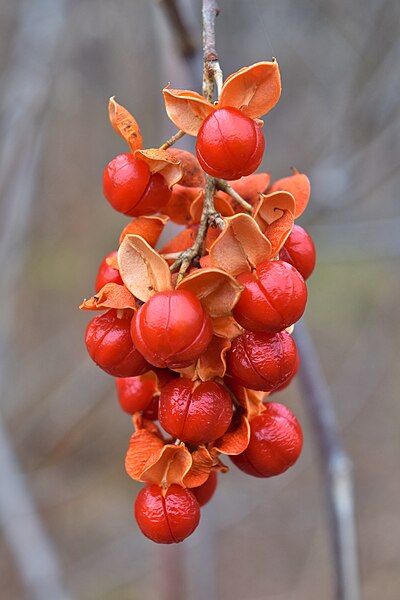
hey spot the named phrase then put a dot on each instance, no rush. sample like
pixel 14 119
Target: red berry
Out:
pixel 172 329
pixel 107 274
pixel 195 412
pixel 262 361
pixel 164 376
pixel 205 492
pixel 293 375
pixel 229 144
pixel 131 189
pixel 151 412
pixel 274 297
pixel 169 519
pixel 275 443
pixel 299 251
pixel 110 345
pixel 135 393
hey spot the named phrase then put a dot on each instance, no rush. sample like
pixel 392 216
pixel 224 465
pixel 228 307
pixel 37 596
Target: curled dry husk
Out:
pixel 150 460
pixel 254 90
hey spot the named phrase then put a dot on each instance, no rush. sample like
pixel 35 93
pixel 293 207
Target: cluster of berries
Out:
pixel 196 349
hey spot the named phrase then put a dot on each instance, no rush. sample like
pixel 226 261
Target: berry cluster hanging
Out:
pixel 198 332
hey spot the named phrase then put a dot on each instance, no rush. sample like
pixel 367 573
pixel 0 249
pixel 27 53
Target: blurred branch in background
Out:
pixel 336 467
pixel 25 88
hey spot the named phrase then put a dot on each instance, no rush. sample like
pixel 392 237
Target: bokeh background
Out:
pixel 338 121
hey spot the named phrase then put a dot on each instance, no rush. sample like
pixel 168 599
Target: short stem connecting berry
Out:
pixel 211 73
pixel 222 185
pixel 209 218
pixel 171 141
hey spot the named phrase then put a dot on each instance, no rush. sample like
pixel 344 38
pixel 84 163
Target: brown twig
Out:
pixel 171 141
pixel 212 70
pixel 222 185
pixel 211 74
pixel 209 217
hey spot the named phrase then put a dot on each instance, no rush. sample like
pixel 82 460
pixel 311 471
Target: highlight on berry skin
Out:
pixel 197 330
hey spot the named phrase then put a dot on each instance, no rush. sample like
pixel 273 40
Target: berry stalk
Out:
pixel 212 74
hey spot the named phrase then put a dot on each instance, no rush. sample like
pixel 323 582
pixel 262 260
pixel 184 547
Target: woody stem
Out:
pixel 171 141
pixel 211 74
pixel 222 185
pixel 212 70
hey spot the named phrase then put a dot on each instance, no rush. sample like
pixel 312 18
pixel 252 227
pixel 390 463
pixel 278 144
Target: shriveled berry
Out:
pixel 274 297
pixel 293 375
pixel 110 345
pixel 299 251
pixel 262 361
pixel 229 144
pixel 276 441
pixel 195 412
pixel 166 519
pixel 172 329
pixel 131 189
pixel 206 491
pixel 107 274
pixel 135 393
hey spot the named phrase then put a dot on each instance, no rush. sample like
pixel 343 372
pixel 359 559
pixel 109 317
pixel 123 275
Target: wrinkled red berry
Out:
pixel 229 144
pixel 195 412
pixel 275 443
pixel 274 297
pixel 131 189
pixel 169 519
pixel 293 375
pixel 299 251
pixel 172 329
pixel 262 361
pixel 110 345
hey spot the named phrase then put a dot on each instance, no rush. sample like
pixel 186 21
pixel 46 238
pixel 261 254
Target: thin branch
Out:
pixel 209 217
pixel 335 466
pixel 212 70
pixel 222 185
pixel 171 141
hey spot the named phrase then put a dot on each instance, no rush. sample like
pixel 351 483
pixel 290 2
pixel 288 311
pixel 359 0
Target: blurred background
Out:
pixel 63 437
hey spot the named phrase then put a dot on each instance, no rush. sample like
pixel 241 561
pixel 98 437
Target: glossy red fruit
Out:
pixel 164 376
pixel 274 297
pixel 131 189
pixel 293 375
pixel 229 144
pixel 299 251
pixel 195 412
pixel 135 393
pixel 275 443
pixel 107 274
pixel 169 519
pixel 110 345
pixel 151 412
pixel 262 361
pixel 206 491
pixel 171 329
